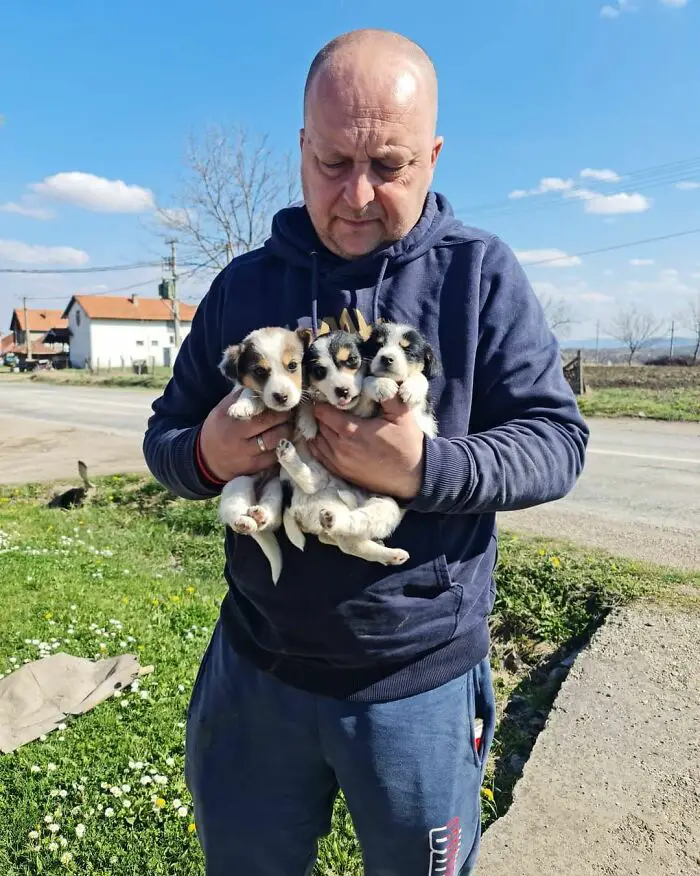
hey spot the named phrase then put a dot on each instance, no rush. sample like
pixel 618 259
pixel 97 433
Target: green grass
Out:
pixel 139 571
pixel 657 404
pixel 82 377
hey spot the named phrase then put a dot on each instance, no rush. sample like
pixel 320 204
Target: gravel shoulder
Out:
pixel 612 785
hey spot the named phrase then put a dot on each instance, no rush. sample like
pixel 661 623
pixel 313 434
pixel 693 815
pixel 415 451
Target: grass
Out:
pixel 82 377
pixel 140 571
pixel 657 404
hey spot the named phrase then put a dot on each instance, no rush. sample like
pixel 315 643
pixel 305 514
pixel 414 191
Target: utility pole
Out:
pixel 176 302
pixel 673 329
pixel 597 340
pixel 27 333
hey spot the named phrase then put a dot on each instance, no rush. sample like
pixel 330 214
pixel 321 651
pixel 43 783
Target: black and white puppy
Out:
pixel 321 502
pixel 401 362
pixel 267 367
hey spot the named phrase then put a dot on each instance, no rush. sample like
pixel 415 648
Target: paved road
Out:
pixel 639 495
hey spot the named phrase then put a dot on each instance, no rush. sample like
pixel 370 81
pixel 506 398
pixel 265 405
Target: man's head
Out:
pixel 368 144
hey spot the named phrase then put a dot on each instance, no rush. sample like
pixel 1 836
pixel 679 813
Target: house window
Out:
pixel 154 343
pixel 139 343
pixel 77 317
pixel 171 338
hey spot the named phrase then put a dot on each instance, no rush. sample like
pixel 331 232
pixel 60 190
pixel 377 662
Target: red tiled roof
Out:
pixel 40 320
pixel 39 350
pixel 114 307
pixel 6 342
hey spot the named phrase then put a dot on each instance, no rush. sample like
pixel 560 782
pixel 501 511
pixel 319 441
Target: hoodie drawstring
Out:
pixel 378 286
pixel 314 291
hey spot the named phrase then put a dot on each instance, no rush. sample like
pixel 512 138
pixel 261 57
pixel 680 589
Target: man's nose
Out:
pixel 359 189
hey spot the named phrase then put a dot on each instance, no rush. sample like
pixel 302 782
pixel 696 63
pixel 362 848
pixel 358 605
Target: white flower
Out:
pixel 36 768
pixel 53 847
pixel 126 788
pixel 115 791
pixel 54 828
pixel 63 794
pixel 61 727
pixel 177 803
pixel 181 688
pixel 124 704
pixel 170 761
pixel 51 767
pixel 80 830
pixel 144 694
pixel 104 786
pixel 33 834
pixel 126 804
pixel 117 694
pixel 13 659
pixel 160 780
pixel 48 819
pixel 145 780
pixel 109 812
pixel 66 858
pixel 43 737
pixel 182 811
pixel 74 608
pixel 63 841
pixel 135 684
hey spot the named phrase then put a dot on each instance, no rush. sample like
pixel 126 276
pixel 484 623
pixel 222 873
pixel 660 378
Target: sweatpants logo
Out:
pixel 445 843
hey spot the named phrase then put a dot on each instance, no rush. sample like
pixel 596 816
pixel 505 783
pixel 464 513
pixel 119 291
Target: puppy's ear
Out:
pixel 229 363
pixel 431 366
pixel 306 336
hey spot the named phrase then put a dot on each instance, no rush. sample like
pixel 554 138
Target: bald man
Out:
pixel 349 674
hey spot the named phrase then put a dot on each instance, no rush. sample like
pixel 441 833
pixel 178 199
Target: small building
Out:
pixel 108 331
pixel 47 333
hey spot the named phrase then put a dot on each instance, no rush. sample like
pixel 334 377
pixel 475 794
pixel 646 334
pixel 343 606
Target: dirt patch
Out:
pixel 32 451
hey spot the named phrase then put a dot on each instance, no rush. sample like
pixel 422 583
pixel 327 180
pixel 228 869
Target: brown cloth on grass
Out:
pixel 38 696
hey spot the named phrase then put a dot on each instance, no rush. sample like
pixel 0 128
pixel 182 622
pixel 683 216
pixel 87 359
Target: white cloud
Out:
pixel 641 263
pixel 609 12
pixel 613 205
pixel 550 258
pixel 546 185
pixel 26 209
pixel 173 216
pixel 29 254
pixel 519 193
pixel 95 193
pixel 604 175
pixel 687 185
pixel 579 291
pixel 677 4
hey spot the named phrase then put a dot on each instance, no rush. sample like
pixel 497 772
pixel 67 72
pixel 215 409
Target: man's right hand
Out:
pixel 230 447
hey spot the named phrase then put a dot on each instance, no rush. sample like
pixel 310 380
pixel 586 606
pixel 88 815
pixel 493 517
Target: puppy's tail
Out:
pixel 291 527
pixel 270 547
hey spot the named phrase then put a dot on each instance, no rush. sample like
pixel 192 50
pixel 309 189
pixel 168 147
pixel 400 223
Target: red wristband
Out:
pixel 201 465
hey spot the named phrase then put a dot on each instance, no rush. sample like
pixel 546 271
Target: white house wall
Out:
pixel 79 337
pixel 114 340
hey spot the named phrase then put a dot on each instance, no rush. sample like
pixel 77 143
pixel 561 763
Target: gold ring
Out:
pixel 261 444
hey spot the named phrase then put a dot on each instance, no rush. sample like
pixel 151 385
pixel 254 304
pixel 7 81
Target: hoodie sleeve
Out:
pixel 171 441
pixel 527 440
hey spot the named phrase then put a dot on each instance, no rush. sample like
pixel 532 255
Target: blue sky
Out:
pixel 530 91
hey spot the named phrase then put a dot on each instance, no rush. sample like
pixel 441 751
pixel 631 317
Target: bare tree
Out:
pixel 233 186
pixel 635 330
pixel 558 314
pixel 691 320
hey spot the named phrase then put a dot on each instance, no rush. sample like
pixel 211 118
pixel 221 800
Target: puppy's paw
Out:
pixel 308 428
pixel 243 409
pixel 411 392
pixel 383 388
pixel 397 558
pixel 244 525
pixel 261 515
pixel 327 518
pixel 284 450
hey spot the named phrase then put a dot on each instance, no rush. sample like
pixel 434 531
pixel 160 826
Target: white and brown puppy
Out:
pixel 321 502
pixel 267 369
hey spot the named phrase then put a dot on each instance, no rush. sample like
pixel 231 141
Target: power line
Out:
pixel 613 247
pixel 102 292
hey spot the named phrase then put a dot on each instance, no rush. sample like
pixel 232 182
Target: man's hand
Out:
pixel 230 448
pixel 383 454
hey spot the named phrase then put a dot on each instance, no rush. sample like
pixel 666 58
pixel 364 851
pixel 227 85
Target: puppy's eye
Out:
pixel 292 366
pixel 260 373
pixel 318 372
pixel 353 362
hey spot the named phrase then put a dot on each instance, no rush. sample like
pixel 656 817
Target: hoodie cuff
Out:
pixel 202 468
pixel 448 477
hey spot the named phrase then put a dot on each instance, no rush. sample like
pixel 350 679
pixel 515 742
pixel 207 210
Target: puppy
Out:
pixel 400 362
pixel 321 503
pixel 267 367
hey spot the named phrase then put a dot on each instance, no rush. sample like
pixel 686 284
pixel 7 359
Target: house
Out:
pixel 47 330
pixel 108 331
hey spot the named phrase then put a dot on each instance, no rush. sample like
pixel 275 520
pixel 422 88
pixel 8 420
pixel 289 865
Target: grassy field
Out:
pixel 81 377
pixel 140 572
pixel 656 392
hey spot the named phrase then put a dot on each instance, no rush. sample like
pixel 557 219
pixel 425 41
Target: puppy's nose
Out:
pixel 342 391
pixel 280 397
pixel 387 361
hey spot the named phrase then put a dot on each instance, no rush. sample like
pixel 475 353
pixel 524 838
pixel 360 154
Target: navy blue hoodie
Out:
pixel 510 436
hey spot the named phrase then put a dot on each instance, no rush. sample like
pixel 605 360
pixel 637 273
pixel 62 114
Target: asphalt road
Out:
pixel 639 495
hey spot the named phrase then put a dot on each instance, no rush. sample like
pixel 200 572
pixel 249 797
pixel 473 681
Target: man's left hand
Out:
pixel 383 454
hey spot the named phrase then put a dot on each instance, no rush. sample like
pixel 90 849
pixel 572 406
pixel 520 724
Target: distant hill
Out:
pixel 613 344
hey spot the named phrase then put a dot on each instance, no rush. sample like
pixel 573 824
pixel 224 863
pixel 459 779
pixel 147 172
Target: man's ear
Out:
pixel 229 362
pixel 431 366
pixel 306 336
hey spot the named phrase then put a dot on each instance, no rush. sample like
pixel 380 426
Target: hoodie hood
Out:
pixel 294 240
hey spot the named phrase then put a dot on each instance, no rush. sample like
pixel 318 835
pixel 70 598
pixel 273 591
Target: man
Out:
pixel 349 674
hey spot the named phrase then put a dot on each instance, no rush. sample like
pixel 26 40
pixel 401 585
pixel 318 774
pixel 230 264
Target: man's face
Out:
pixel 368 154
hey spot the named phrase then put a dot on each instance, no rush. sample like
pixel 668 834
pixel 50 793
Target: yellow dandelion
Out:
pixel 191 828
pixel 541 552
pixel 189 590
pixel 488 793
pixel 556 562
pixel 155 602
pixel 48 615
pixel 125 600
pixel 159 803
pixel 175 598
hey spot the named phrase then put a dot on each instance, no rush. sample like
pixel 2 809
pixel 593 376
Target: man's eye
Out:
pixel 387 169
pixel 333 165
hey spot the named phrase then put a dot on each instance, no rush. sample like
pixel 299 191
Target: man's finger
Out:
pixel 272 437
pixel 393 408
pixel 263 422
pixel 321 449
pixel 262 461
pixel 339 422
